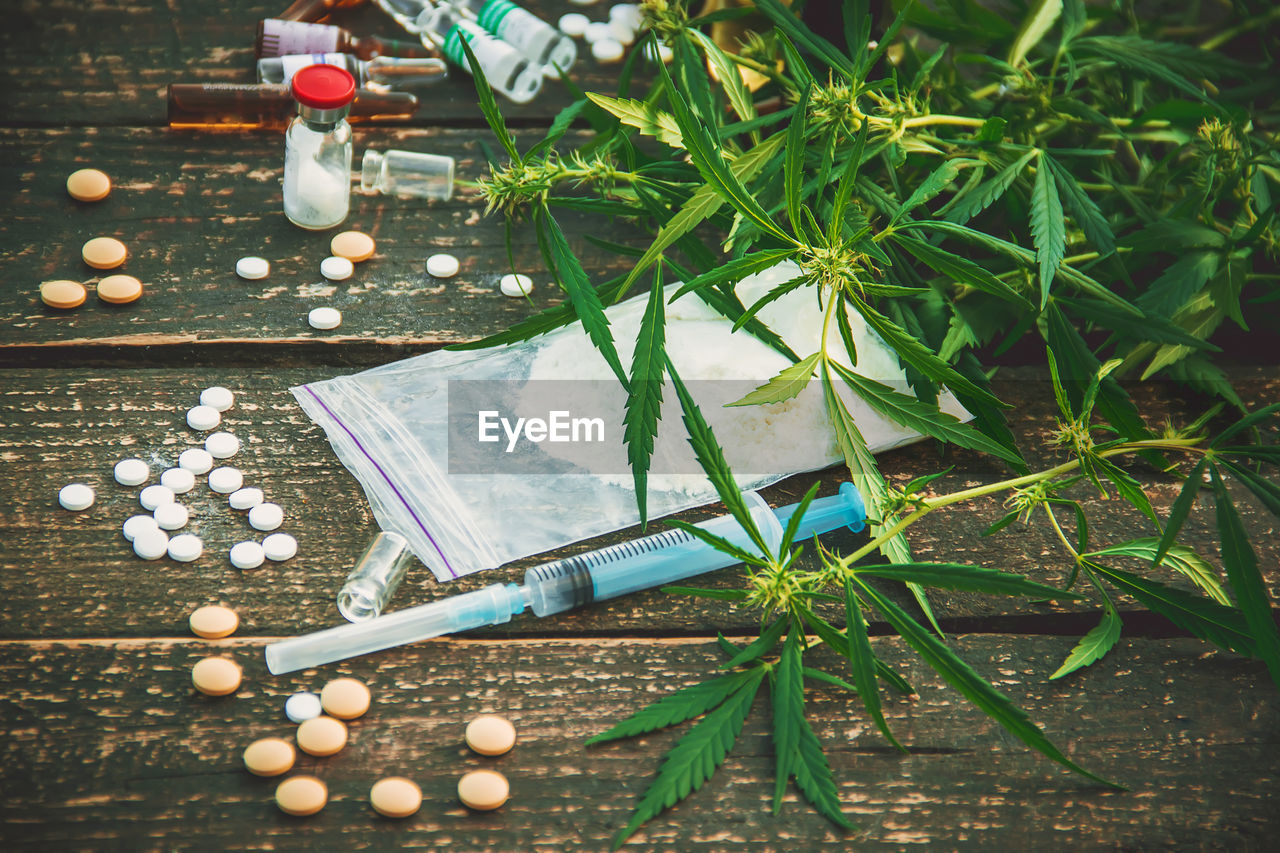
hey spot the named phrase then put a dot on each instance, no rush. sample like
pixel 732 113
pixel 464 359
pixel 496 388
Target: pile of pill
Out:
pixel 610 39
pixel 99 253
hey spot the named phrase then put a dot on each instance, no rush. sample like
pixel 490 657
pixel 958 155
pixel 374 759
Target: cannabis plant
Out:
pixel 963 183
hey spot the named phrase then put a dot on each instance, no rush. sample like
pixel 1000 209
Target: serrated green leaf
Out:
pixel 789 382
pixel 685 704
pixel 1153 327
pixel 559 127
pixel 863 663
pixel 1034 27
pixel 961 270
pixel 644 399
pixel 848 180
pixel 800 35
pixel 696 756
pixel 961 576
pixel 1178 513
pixel 1263 489
pixel 735 270
pixel 1246 581
pixel 1177 284
pixel 717 542
pixel 488 104
pixel 1208 620
pixel 772 296
pixel 1002 523
pixel 962 677
pixel 1249 421
pixel 760 646
pixel 1086 212
pixel 730 79
pixel 1129 488
pixel 709 455
pixel 643 116
pixel 1177 557
pixel 920 416
pixel 793 523
pixel 1093 645
pixel 1168 62
pixel 937 181
pixel 586 302
pixel 1079 365
pixel 793 164
pixel 987 194
pixel 1048 228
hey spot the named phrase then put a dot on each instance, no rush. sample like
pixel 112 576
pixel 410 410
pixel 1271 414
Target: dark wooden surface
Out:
pixel 107 747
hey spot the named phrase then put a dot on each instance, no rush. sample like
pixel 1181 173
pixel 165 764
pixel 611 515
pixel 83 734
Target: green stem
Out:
pixel 959 121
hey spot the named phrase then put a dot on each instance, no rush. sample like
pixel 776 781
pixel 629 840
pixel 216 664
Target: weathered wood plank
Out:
pixel 109 747
pixel 188 206
pixel 108 63
pixel 73 575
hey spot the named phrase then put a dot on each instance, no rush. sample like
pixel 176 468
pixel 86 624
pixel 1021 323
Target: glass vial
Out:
pixel 374 579
pixel 317 148
pixel 381 72
pixel 542 43
pixel 248 106
pixel 283 38
pixel 507 70
pixel 407 173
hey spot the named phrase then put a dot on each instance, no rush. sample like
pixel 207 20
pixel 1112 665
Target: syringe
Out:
pixel 560 585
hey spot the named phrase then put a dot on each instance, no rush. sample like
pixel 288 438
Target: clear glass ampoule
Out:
pixel 525 31
pixel 392 73
pixel 318 148
pixel 407 173
pixel 251 106
pixel 507 70
pixel 284 38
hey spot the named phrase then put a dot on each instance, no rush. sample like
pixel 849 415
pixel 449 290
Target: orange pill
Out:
pixel 483 790
pixel 301 795
pixel 62 294
pixel 395 796
pixel 355 246
pixel 213 621
pixel 88 185
pixel 119 289
pixel 345 698
pixel 216 676
pixel 490 735
pixel 321 736
pixel 269 756
pixel 104 253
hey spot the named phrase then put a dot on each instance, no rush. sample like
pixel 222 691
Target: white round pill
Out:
pixel 515 285
pixel 151 544
pixel 266 516
pixel 301 707
pixel 622 32
pixel 178 480
pixel 607 49
pixel 196 460
pixel 280 546
pixel 171 516
pixel 153 496
pixel 217 397
pixel 627 13
pixel 247 555
pixel 185 548
pixel 246 498
pixel 132 472
pixel 225 480
pixel 595 31
pixel 222 445
pixel 325 318
pixel 203 418
pixel 252 267
pixel 336 268
pixel 584 2
pixel 136 525
pixel 75 496
pixel 442 266
pixel 574 24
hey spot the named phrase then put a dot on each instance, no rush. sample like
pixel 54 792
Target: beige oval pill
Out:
pixel 395 796
pixel 322 736
pixel 483 790
pixel 104 253
pixel 88 185
pixel 214 621
pixel 345 698
pixel 269 756
pixel 301 795
pixel 119 289
pixel 490 735
pixel 62 294
pixel 216 676
pixel 355 246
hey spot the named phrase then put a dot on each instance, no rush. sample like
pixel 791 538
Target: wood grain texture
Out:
pixel 109 747
pixel 189 205
pixel 107 62
pixel 73 575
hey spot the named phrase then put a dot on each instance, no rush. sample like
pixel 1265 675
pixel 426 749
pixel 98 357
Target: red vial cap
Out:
pixel 324 87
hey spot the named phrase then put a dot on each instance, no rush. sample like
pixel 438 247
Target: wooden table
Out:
pixel 107 746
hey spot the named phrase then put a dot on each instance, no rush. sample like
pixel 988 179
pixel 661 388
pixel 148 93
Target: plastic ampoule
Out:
pixel 523 30
pixel 244 106
pixel 382 72
pixel 507 70
pixel 283 38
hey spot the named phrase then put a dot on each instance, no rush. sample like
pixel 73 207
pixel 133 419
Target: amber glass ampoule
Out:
pixel 316 10
pixel 249 106
pixel 285 38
